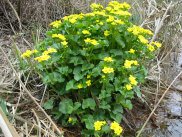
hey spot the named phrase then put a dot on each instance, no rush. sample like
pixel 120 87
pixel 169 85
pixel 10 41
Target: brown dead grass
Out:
pixel 35 17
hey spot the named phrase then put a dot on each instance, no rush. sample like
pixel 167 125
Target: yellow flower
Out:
pixel 137 30
pixel 96 6
pixel 106 33
pixel 56 23
pixel 102 13
pixel 60 36
pixel 107 70
pixel 110 19
pixel 89 14
pixel 73 17
pixel 134 30
pixel 88 76
pixel 86 32
pixel 135 62
pixel 98 125
pixel 127 64
pixel 101 23
pixel 34 51
pixel 157 44
pixel 108 8
pixel 118 6
pixel 143 39
pixel 113 3
pixel 150 47
pixel 45 52
pixel 108 59
pixel 88 82
pixel 42 58
pixel 132 80
pixel 49 50
pixel 119 22
pixel 70 120
pixel 79 86
pixel 73 20
pixel 128 86
pixel 94 42
pixel 87 40
pixel 65 18
pixel 64 43
pixel 113 23
pixel 27 54
pixel 91 41
pixel 126 5
pixel 121 13
pixel 117 128
pixel 132 51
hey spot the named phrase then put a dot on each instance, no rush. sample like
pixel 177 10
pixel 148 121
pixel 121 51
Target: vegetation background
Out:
pixel 23 24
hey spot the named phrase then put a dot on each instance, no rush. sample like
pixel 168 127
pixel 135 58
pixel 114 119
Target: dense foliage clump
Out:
pixel 94 63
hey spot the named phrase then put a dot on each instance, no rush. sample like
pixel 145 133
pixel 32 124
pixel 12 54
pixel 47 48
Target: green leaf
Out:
pixel 89 103
pixel 56 114
pixel 63 70
pixel 117 117
pixel 117 109
pixel 70 85
pixel 54 59
pixel 77 105
pixel 102 55
pixel 104 94
pixel 83 53
pixel 116 52
pixel 119 40
pixel 89 121
pixel 138 93
pixel 53 78
pixel 57 77
pixel 109 87
pixel 96 71
pixel 120 99
pixel 3 106
pixel 106 129
pixel 127 104
pixel 66 106
pixel 145 71
pixel 104 105
pixel 77 73
pixel 76 60
pixel 118 84
pixel 87 66
pixel 48 104
pixel 56 45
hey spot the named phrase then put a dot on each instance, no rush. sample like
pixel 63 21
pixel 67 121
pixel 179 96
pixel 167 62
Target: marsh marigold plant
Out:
pixel 93 62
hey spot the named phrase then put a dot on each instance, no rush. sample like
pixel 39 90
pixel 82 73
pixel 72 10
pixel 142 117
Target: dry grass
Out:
pixel 164 18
